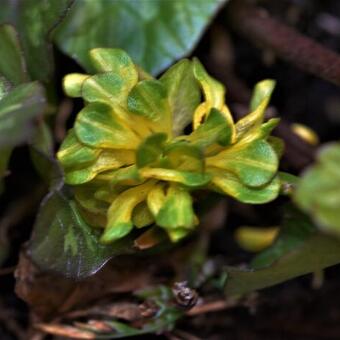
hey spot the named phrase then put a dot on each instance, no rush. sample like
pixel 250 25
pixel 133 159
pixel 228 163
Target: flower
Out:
pixel 131 165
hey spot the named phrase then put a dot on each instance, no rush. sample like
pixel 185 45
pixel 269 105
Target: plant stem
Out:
pixel 258 26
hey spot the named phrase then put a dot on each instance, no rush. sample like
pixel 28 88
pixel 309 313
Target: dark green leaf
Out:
pixel 317 252
pixel 154 33
pixel 17 109
pixel 12 64
pixel 295 230
pixel 41 150
pixel 36 22
pixel 65 243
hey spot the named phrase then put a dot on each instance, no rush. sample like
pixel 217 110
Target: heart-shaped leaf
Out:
pixel 155 33
pixel 63 242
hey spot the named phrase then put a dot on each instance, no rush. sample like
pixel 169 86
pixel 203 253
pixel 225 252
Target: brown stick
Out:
pixel 258 26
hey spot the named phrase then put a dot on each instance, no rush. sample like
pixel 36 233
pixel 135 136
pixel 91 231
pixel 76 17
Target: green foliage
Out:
pixel 128 165
pixel 318 192
pixel 315 253
pixel 296 228
pixel 122 143
pixel 17 109
pixel 154 33
pixel 12 64
pixel 65 243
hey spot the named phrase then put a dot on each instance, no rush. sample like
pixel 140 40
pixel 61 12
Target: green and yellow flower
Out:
pixel 130 163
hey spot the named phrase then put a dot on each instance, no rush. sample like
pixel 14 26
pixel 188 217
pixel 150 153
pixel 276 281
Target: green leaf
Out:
pixel 262 92
pixel 73 154
pixel 121 211
pixel 106 87
pixel 295 230
pixel 41 144
pixel 141 216
pixel 12 64
pixel 154 33
pixel 64 243
pixel 106 160
pixel 215 129
pixel 149 99
pixel 189 178
pixel 151 149
pixel 213 90
pixel 176 211
pixel 36 23
pixel 116 61
pixel 5 87
pixel 318 192
pixel 248 125
pixel 97 125
pixel 229 184
pixel 183 156
pixel 255 163
pixel 183 93
pixel 17 110
pixel 317 252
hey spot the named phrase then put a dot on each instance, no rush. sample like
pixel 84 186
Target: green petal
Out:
pixel 176 235
pixel 97 125
pixel 177 210
pixel 213 90
pixel 150 150
pixel 107 160
pixel 214 93
pixel 183 156
pixel 156 198
pixel 229 184
pixel 215 129
pixel 114 60
pixel 255 163
pixel 149 99
pixel 188 178
pixel 120 212
pixel 262 131
pixel 183 92
pixel 109 88
pixel 74 154
pixel 125 176
pixel 72 84
pixel 84 195
pixel 261 96
pixel 141 216
pixel 277 144
pixel 262 91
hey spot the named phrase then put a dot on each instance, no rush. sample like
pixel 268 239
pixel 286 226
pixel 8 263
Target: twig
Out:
pixel 214 306
pixel 258 26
